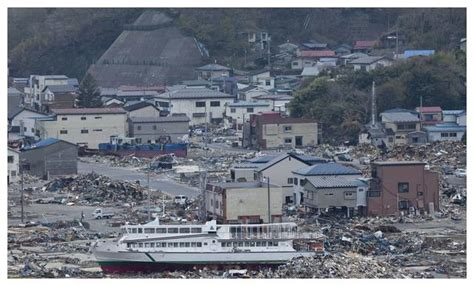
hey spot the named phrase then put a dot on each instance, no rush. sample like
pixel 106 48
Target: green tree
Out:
pixel 89 95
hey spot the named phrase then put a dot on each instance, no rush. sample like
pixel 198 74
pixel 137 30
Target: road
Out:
pixel 163 184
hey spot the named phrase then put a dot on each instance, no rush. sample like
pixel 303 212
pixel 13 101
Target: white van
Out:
pixel 180 200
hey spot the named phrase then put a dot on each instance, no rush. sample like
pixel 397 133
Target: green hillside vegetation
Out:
pixel 342 105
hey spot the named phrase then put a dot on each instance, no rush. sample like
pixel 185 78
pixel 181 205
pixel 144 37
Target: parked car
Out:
pixel 460 173
pixel 100 214
pixel 364 161
pixel 344 157
pixel 180 200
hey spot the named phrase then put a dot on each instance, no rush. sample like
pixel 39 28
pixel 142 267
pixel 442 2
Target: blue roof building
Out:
pixel 418 53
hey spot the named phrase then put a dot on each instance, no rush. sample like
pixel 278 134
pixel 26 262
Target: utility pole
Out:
pixel 21 198
pixel 421 113
pixel 373 103
pixel 268 197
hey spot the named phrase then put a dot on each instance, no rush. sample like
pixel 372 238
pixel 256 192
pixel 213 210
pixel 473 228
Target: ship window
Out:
pixel 134 230
pixel 170 244
pixel 270 243
pixel 205 243
pixel 175 244
pixel 252 244
pixel 184 230
pixel 163 244
pixel 147 245
pixel 149 230
pixel 223 244
pixel 161 230
pixel 140 244
pixel 181 244
pixel 228 244
pixel 173 230
pixel 264 243
pixel 199 244
pixel 234 244
pixel 275 243
pixel 187 244
pixel 140 230
pixel 247 243
pixel 259 243
pixel 193 244
pixel 129 244
pixel 196 230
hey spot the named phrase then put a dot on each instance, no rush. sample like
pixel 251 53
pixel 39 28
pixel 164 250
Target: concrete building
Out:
pixel 369 63
pixel 50 157
pixel 84 126
pixel 158 129
pixel 330 170
pixel 201 105
pixel 13 166
pixel 243 202
pixel 37 86
pixel 336 193
pixel 402 186
pixel 239 112
pixel 272 130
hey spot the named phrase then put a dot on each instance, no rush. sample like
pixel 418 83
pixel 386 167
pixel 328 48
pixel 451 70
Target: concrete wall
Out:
pixel 99 127
pixel 56 159
pixel 275 134
pixel 151 131
pixel 13 166
pixel 423 189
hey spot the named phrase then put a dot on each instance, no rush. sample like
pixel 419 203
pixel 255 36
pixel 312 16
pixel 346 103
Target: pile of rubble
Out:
pixel 94 188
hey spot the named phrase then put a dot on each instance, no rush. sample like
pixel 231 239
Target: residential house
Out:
pixel 329 170
pixel 22 123
pixel 197 83
pixel 418 53
pixel 50 157
pixel 201 105
pixel 363 46
pixel 345 59
pixel 34 92
pixel 287 48
pixel 280 172
pixel 369 63
pixel 225 84
pixel 111 102
pixel 261 79
pixel 156 129
pixel 398 123
pixel 313 45
pixel 260 39
pixel 249 93
pixel 310 58
pixel 59 96
pixel 83 126
pixel 238 112
pixel 141 109
pixel 454 116
pixel 311 71
pixel 210 71
pixel 244 202
pixel 430 115
pixel 402 187
pixel 13 166
pixel 245 171
pixel 343 49
pixel 136 95
pixel 445 132
pixel 278 102
pixel 273 130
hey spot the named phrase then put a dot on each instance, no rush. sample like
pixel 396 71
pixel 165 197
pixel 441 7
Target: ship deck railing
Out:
pixel 281 235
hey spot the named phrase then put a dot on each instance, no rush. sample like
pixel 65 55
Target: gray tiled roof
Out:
pixel 61 88
pixel 365 60
pixel 194 93
pixel 327 169
pixel 179 118
pixel 333 182
pixel 400 117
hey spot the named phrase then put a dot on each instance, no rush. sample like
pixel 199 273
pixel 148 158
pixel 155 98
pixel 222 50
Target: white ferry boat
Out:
pixel 155 247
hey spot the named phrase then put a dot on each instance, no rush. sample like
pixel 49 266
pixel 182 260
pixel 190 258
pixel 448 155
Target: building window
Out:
pixel 64 118
pixel 138 140
pixel 444 134
pixel 154 127
pixel 98 117
pixel 453 134
pixel 288 140
pixel 249 109
pixel 215 103
pixel 290 181
pixel 62 131
pixel 403 205
pixel 139 127
pixel 294 63
pixel 200 104
pixel 268 82
pixel 348 195
pixel 419 194
pixel 403 187
pixel 84 131
pixel 373 194
pixel 97 130
pixel 287 128
pixel 10 159
pixel 32 130
pixel 83 118
pixel 232 110
pixel 295 181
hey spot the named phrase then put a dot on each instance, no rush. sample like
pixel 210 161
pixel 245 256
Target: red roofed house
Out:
pixel 363 46
pixel 430 115
pixel 270 130
pixel 310 58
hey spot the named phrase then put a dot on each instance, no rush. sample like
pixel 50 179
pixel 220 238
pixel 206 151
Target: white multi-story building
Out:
pixel 201 105
pixel 22 123
pixel 35 90
pixel 13 166
pixel 239 112
pixel 84 126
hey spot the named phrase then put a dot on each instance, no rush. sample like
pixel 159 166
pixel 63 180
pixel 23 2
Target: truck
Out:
pixel 100 214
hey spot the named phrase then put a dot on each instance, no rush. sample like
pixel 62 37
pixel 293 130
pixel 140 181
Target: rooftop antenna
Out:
pixel 373 103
